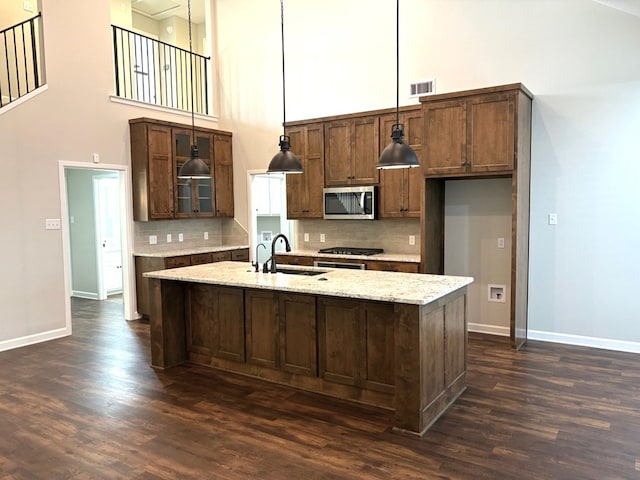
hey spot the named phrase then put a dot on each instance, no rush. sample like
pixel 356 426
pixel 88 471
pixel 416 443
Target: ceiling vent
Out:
pixel 426 87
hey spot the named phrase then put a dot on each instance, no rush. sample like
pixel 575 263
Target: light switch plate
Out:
pixel 553 219
pixel 153 239
pixel 306 237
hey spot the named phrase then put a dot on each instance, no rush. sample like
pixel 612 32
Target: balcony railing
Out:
pixel 20 60
pixel 150 71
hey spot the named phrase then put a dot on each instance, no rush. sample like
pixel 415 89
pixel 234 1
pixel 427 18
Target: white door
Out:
pixel 107 204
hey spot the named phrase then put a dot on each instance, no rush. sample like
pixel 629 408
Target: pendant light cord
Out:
pixel 193 121
pixel 284 102
pixel 397 61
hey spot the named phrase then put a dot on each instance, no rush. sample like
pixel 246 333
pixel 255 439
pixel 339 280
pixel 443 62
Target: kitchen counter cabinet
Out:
pixel 351 151
pixel 304 191
pixel 473 133
pixel 144 264
pixel 363 336
pixel 158 150
pixel 409 266
pixel 400 188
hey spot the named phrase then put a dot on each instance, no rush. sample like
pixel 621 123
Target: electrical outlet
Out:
pixel 306 237
pixel 52 224
pixel 500 242
pixel 153 239
pixel 169 239
pixel 553 219
pixel 206 235
pixel 322 238
pixel 180 237
pixel 412 239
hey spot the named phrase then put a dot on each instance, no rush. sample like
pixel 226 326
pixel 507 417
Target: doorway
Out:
pixel 268 213
pixel 96 234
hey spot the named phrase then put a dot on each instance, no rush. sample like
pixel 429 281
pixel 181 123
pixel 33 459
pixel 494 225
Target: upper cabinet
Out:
pixel 470 134
pixel 158 151
pixel 351 151
pixel 400 187
pixel 304 190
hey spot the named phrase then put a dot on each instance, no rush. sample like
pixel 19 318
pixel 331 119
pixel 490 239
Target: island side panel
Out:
pixel 430 360
pixel 167 323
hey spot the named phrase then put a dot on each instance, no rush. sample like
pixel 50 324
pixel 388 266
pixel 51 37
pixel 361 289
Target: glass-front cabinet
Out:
pixel 194 198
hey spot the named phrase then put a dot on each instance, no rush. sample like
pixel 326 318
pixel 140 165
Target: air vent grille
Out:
pixel 426 87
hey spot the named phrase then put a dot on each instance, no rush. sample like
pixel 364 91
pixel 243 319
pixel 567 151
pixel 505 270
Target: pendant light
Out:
pixel 398 154
pixel 285 161
pixel 195 166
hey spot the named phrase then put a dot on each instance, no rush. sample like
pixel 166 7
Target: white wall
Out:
pixel 578 57
pixel 71 120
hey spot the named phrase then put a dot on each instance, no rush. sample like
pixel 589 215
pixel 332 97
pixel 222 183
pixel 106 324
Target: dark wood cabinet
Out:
pixel 262 332
pixel 351 151
pixel 152 171
pixel 400 187
pixel 228 323
pixel 304 191
pixel 471 135
pixel 298 330
pixel 158 151
pixel 356 343
pixel 150 264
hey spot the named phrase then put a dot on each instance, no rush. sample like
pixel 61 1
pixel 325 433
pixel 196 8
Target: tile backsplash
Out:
pixel 390 234
pixel 221 231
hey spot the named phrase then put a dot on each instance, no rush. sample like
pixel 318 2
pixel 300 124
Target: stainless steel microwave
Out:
pixel 351 203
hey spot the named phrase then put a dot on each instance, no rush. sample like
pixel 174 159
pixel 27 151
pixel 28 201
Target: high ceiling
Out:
pixel 628 6
pixel 161 9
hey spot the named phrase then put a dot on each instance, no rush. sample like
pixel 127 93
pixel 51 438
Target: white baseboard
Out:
pixel 489 329
pixel 31 339
pixel 605 343
pixel 87 295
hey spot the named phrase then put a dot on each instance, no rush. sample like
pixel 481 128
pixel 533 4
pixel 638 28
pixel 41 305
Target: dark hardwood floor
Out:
pixel 90 407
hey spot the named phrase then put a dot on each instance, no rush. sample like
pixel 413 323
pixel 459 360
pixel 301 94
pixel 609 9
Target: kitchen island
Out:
pixel 396 340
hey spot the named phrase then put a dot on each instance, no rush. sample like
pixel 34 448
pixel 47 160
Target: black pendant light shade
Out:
pixel 285 161
pixel 194 167
pixel 398 154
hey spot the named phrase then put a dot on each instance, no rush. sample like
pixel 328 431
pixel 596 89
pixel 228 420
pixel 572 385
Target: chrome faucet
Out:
pixel 287 247
pixel 257 264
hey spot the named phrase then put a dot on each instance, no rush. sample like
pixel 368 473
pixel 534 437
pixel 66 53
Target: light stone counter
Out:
pixel 177 250
pixel 383 257
pixel 394 287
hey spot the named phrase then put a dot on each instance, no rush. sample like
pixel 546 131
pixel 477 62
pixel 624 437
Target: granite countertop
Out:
pixel 176 251
pixel 382 257
pixel 395 287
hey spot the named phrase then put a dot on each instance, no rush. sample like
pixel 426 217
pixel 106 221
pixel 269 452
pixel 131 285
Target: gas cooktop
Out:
pixel 351 251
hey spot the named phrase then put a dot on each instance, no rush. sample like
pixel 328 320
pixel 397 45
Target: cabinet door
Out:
pixel 223 176
pixel 297 194
pixel 393 188
pixel 339 338
pixel 160 188
pixel 491 135
pixel 414 137
pixel 228 323
pixel 445 137
pixel 262 332
pixel 365 151
pixel 193 197
pixel 304 191
pixel 298 352
pixel 200 315
pixel 337 161
pixel 378 359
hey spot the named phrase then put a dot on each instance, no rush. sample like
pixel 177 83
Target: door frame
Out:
pixel 126 235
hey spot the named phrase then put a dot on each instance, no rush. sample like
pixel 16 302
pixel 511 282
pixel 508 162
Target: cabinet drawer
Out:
pixel 220 256
pixel 175 262
pixel 241 255
pixel 200 258
pixel 406 267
